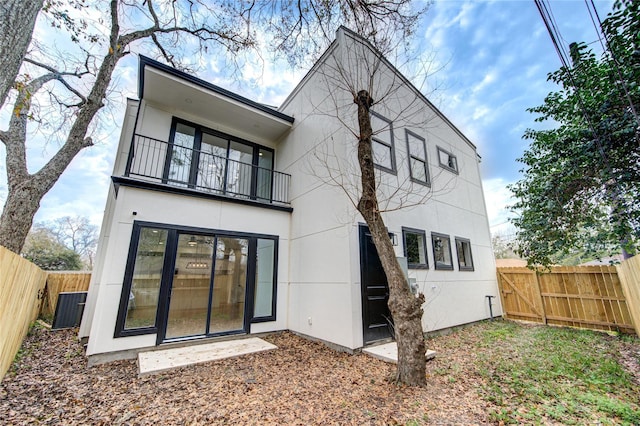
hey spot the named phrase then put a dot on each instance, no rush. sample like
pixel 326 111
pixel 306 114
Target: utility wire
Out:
pixel 606 46
pixel 616 197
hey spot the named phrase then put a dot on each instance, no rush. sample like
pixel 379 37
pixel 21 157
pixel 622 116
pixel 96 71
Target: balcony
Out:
pixel 181 167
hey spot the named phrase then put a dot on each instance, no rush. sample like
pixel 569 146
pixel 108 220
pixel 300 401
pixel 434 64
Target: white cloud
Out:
pixel 480 112
pixel 488 80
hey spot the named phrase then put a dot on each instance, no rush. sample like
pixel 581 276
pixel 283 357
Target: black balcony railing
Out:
pixel 159 161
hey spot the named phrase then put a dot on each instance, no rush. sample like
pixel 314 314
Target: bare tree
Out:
pixel 358 72
pixel 78 84
pixel 78 234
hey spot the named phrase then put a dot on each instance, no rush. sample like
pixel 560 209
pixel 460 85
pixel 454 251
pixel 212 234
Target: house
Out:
pixel 230 217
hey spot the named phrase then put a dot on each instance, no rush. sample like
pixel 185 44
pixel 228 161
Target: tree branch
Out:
pixel 59 76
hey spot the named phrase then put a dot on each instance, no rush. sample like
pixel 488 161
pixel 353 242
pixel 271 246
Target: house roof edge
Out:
pixel 146 61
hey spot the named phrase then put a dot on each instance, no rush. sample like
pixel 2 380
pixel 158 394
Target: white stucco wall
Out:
pixel 318 288
pixel 133 204
pixel 325 296
pixel 151 206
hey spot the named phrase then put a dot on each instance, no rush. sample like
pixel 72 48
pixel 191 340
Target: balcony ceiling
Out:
pixel 228 109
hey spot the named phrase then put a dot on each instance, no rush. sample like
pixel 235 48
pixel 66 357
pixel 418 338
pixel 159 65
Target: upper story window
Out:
pixel 463 249
pixel 441 251
pixel 207 160
pixel 447 160
pixel 382 144
pixel 415 248
pixel 417 158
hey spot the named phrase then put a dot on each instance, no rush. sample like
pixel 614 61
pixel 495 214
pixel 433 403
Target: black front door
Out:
pixel 376 318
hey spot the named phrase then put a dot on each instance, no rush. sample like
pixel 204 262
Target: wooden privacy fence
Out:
pixel 59 282
pixel 21 289
pixel 596 297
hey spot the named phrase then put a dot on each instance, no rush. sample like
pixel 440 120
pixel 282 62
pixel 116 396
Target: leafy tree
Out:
pixel 581 185
pixel 43 249
pixel 76 84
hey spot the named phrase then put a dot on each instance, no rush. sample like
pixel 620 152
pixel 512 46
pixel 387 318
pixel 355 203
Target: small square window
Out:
pixel 415 248
pixel 447 160
pixel 382 143
pixel 463 249
pixel 441 251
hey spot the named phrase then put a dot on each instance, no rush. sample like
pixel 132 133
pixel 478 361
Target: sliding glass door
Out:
pixel 229 285
pixel 188 302
pixel 183 282
pixel 207 292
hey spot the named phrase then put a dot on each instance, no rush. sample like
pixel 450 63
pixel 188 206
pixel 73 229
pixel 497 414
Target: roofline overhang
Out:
pixel 146 61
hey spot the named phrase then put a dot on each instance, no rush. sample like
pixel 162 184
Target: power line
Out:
pixel 616 198
pixel 606 46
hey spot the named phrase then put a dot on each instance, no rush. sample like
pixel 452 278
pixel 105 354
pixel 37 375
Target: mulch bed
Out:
pixel 302 382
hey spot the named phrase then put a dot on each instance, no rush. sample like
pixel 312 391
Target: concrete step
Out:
pixel 159 360
pixel 388 352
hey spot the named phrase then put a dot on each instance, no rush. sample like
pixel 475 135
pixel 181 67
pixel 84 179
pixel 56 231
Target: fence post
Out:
pixel 629 275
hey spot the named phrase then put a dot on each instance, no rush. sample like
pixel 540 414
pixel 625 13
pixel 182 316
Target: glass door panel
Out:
pixel 229 285
pixel 212 164
pixel 265 174
pixel 239 169
pixel 181 154
pixel 263 298
pixel 188 305
pixel 142 302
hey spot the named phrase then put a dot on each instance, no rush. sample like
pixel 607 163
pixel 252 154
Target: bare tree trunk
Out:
pixel 406 309
pixel 17 20
pixel 26 190
pixel 17 216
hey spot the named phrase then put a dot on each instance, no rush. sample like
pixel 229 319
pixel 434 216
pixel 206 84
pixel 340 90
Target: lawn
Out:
pixel 493 372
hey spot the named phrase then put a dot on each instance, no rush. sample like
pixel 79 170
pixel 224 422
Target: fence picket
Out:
pixel 600 297
pixel 21 288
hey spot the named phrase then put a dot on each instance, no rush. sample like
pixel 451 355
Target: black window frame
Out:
pixel 392 146
pixel 167 273
pixel 464 241
pixel 422 233
pixel 410 156
pixel 455 169
pixel 439 265
pixel 197 147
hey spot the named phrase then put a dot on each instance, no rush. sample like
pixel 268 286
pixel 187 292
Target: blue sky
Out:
pixel 493 59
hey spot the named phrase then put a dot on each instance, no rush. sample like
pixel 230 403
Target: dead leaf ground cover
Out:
pixel 304 382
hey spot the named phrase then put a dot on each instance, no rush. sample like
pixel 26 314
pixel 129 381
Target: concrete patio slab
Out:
pixel 388 352
pixel 166 359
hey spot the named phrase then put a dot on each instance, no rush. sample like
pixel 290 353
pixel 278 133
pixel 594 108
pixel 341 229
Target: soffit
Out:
pixel 175 93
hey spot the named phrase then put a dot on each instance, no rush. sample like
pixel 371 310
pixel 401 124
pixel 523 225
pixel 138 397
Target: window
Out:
pixel 264 302
pixel 185 282
pixel 417 158
pixel 139 301
pixel 447 160
pixel 441 251
pixel 384 156
pixel 463 249
pixel 212 161
pixel 415 248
